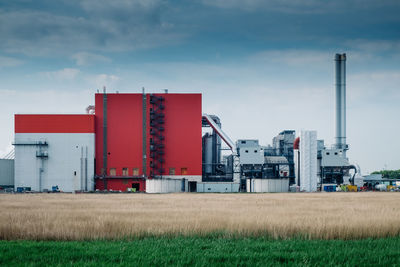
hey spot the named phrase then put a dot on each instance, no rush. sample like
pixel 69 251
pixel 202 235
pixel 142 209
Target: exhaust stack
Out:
pixel 340 69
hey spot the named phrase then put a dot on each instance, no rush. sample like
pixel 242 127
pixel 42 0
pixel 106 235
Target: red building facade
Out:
pixel 145 136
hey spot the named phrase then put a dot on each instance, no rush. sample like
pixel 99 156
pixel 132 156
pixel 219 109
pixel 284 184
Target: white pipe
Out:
pixel 220 132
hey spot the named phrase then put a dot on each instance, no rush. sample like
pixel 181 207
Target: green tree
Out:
pixel 389 174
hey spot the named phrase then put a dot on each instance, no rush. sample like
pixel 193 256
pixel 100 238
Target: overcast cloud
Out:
pixel 262 66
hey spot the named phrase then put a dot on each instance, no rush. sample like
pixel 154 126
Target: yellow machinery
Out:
pixel 352 188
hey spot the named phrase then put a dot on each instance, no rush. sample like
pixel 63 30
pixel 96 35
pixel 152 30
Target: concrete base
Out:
pixel 190 178
pixel 165 185
pixel 267 185
pixel 217 187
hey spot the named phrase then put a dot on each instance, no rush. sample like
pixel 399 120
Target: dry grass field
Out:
pixel 115 216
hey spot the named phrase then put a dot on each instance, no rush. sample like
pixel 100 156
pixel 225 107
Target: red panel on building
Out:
pixel 121 184
pixel 54 123
pixel 124 133
pixel 182 132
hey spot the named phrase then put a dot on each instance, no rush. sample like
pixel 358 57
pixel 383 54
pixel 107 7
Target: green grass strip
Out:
pixel 202 251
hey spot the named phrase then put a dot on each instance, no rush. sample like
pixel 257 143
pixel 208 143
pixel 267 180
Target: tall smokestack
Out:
pixel 340 69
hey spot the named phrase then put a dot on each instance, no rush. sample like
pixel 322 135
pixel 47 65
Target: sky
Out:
pixel 261 66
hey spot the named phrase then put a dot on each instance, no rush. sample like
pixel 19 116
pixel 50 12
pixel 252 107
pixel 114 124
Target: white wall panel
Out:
pixel 267 185
pixel 63 167
pixel 308 161
pixel 163 185
pixel 6 172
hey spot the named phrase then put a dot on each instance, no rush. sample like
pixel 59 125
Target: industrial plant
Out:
pixel 163 142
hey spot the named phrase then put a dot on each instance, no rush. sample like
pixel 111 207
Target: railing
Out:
pixel 157 122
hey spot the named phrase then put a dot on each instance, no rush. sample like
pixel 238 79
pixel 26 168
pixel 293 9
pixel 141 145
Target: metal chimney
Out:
pixel 340 69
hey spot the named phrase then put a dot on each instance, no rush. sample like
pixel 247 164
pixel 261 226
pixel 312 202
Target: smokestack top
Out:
pixel 340 57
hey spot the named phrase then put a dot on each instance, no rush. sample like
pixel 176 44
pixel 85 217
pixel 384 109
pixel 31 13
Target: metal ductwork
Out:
pixel 340 83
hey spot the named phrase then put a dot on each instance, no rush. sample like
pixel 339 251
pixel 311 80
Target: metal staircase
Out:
pixel 157 138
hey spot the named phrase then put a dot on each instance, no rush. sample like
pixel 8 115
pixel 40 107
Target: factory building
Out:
pixel 283 146
pixel 141 136
pixel 163 143
pixel 130 140
pixel 212 167
pixel 54 151
pixel 332 165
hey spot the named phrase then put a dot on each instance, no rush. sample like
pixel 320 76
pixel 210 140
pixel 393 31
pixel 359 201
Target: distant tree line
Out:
pixel 389 174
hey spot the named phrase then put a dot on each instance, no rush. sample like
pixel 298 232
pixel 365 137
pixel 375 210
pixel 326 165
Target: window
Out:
pixel 255 151
pixel 243 142
pixel 171 171
pixel 183 171
pixel 247 151
pixel 125 172
pixel 135 171
pixel 113 171
pixel 327 153
pixel 335 153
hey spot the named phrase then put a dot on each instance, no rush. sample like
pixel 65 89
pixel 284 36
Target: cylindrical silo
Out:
pixel 208 152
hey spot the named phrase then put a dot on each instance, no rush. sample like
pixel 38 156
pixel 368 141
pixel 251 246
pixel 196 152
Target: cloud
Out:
pixel 92 25
pixel 292 57
pixel 64 74
pixel 275 64
pixel 110 81
pixel 9 62
pixel 34 102
pixel 374 86
pixel 299 6
pixel 367 46
pixel 105 6
pixel 84 58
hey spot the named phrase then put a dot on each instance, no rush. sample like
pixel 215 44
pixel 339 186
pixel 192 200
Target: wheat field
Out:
pixel 280 216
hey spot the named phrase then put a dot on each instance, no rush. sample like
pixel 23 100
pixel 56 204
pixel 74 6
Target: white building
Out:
pixel 54 150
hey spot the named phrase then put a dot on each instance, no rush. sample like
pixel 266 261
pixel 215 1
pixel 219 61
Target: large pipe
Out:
pixel 230 143
pixel 340 83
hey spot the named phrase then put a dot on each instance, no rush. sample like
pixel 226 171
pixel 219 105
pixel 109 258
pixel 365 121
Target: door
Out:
pixel 135 187
pixel 192 186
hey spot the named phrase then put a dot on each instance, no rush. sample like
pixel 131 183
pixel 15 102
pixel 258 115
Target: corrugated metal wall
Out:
pixel 6 172
pixel 62 167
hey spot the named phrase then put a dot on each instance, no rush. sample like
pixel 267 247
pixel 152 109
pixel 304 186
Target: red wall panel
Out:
pixel 124 134
pixel 99 133
pixel 54 123
pixel 121 184
pixel 182 133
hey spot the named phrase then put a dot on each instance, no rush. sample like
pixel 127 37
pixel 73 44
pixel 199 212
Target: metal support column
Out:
pixel 144 134
pixel 86 169
pixel 105 139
